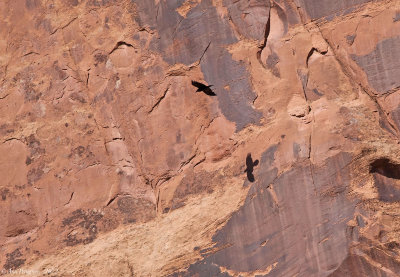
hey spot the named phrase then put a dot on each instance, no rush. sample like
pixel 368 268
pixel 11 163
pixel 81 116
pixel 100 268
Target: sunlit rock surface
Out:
pixel 112 165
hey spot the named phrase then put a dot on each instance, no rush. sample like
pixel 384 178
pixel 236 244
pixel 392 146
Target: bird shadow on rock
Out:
pixel 250 164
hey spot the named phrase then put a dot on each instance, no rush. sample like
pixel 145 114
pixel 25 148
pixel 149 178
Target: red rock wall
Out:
pixel 112 165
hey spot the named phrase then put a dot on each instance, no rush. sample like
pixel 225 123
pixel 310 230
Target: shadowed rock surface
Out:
pixel 201 37
pixel 267 221
pixel 382 65
pixel 325 8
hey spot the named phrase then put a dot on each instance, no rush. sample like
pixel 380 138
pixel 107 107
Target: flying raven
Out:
pixel 250 166
pixel 202 87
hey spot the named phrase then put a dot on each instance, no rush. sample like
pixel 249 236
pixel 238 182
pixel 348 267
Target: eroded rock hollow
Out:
pixel 111 164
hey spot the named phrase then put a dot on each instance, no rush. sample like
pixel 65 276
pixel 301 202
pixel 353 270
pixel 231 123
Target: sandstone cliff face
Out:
pixel 112 165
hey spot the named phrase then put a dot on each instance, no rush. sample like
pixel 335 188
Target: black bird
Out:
pixel 250 166
pixel 202 87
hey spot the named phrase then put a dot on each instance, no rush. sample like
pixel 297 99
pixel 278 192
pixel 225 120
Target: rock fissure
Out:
pixel 118 45
pixel 111 164
pixel 63 27
pixel 371 95
pixel 159 100
pixel 266 35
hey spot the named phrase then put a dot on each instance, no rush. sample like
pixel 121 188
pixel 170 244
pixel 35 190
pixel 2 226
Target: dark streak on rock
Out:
pixel 396 17
pixel 382 65
pixel 267 219
pixel 328 9
pixel 271 63
pixel 317 92
pixel 84 223
pixel 4 192
pixel 13 260
pixel 190 39
pixel 34 174
pixel 350 39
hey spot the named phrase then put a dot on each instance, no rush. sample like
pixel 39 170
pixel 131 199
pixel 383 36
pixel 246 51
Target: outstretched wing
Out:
pixel 197 84
pixel 209 91
pixel 249 161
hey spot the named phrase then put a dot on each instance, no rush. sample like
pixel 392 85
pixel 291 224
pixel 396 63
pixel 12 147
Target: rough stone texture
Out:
pixel 249 17
pixel 112 165
pixel 382 65
pixel 279 214
pixel 325 8
pixel 386 177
